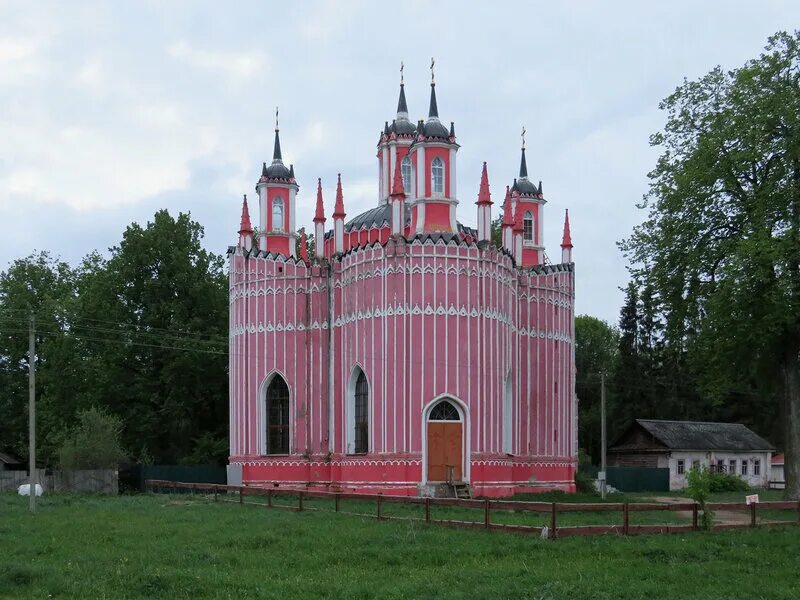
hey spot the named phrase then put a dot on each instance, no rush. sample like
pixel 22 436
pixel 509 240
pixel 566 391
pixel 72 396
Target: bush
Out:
pixel 699 489
pixel 727 482
pixel 584 481
pixel 94 443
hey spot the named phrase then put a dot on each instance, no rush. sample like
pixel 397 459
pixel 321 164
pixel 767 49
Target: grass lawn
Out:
pixel 178 547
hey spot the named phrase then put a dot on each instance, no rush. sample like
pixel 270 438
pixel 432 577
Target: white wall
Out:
pixel 677 482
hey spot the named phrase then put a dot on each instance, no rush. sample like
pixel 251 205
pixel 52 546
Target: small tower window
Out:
pixel 405 169
pixel 437 176
pixel 277 214
pixel 527 227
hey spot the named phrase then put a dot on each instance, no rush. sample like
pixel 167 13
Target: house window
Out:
pixel 720 465
pixel 444 411
pixel 361 406
pixel 732 466
pixel 277 214
pixel 756 467
pixel 405 169
pixel 437 176
pixel 681 467
pixel 744 467
pixel 527 227
pixel 278 416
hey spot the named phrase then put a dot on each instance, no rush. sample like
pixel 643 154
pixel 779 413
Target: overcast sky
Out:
pixel 112 110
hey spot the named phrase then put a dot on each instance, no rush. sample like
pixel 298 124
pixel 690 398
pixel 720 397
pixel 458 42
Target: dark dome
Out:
pixel 277 170
pixel 403 127
pixel 434 128
pixel 525 187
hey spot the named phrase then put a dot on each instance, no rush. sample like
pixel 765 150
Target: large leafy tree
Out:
pixel 721 245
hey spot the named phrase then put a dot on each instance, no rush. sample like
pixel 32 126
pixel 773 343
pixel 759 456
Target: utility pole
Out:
pixel 603 436
pixel 32 411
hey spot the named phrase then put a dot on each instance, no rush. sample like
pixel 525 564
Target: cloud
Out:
pixel 238 66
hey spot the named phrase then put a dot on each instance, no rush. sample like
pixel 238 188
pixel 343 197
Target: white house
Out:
pixel 681 445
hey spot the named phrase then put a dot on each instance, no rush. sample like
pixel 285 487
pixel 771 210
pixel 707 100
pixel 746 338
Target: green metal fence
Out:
pixel 636 479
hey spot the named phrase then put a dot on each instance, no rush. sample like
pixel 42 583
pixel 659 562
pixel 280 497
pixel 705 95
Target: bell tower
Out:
pixel 393 148
pixel 277 190
pixel 529 210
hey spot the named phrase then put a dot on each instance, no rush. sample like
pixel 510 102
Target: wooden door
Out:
pixel 444 450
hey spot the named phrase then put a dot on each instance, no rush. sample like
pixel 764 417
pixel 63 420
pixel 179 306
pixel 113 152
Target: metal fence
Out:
pixel 638 479
pixel 100 481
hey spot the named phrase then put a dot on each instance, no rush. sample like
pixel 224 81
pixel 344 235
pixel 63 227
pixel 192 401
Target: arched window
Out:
pixel 444 411
pixel 361 414
pixel 437 176
pixel 277 416
pixel 405 169
pixel 277 214
pixel 508 409
pixel 527 227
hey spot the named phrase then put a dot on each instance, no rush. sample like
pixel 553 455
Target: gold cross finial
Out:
pixel 523 137
pixel 276 118
pixel 401 72
pixel 433 62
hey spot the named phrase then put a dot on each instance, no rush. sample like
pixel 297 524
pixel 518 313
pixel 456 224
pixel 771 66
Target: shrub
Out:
pixel 699 489
pixel 584 481
pixel 94 443
pixel 727 482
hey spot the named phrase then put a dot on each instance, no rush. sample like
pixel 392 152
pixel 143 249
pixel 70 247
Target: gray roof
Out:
pixel 8 459
pixel 698 435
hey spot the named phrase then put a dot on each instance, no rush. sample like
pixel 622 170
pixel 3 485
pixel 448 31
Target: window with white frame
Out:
pixel 756 467
pixel 437 176
pixel 527 227
pixel 720 465
pixel 405 170
pixel 744 466
pixel 681 467
pixel 732 466
pixel 277 214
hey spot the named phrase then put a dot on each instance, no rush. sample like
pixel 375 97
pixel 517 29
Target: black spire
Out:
pixel 433 111
pixel 402 107
pixel 523 166
pixel 264 170
pixel 452 129
pixel 276 154
pixel 291 171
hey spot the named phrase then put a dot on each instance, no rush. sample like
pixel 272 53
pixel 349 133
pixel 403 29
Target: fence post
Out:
pixel 427 510
pixel 486 522
pixel 336 502
pixel 380 506
pixel 300 501
pixel 553 522
pixel 798 511
pixel 241 495
pixel 694 517
pixel 753 514
pixel 269 498
pixel 625 519
pixel 216 493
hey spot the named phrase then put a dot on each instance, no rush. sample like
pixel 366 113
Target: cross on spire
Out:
pixel 433 79
pixel 401 72
pixel 523 137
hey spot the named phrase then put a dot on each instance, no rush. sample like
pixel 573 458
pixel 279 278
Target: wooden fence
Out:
pixel 552 510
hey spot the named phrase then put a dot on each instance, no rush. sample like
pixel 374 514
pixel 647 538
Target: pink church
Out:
pixel 403 352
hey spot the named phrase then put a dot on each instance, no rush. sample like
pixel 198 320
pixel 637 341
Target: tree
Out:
pixel 93 443
pixel 721 243
pixel 595 354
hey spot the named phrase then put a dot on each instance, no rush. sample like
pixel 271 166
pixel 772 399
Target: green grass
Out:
pixel 183 547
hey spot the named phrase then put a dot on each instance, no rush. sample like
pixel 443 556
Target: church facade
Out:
pixel 405 353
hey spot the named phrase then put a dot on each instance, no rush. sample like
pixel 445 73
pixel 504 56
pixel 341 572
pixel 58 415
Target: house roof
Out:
pixel 777 459
pixel 698 435
pixel 8 459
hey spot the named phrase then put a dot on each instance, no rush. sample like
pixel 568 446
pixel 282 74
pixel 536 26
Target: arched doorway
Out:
pixel 445 445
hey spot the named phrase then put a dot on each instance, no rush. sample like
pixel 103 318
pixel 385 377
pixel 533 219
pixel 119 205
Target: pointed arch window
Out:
pixel 361 434
pixel 508 410
pixel 277 416
pixel 444 411
pixel 405 170
pixel 437 176
pixel 277 214
pixel 527 227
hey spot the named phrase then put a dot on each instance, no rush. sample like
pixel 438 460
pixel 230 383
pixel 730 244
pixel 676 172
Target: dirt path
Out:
pixel 721 517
